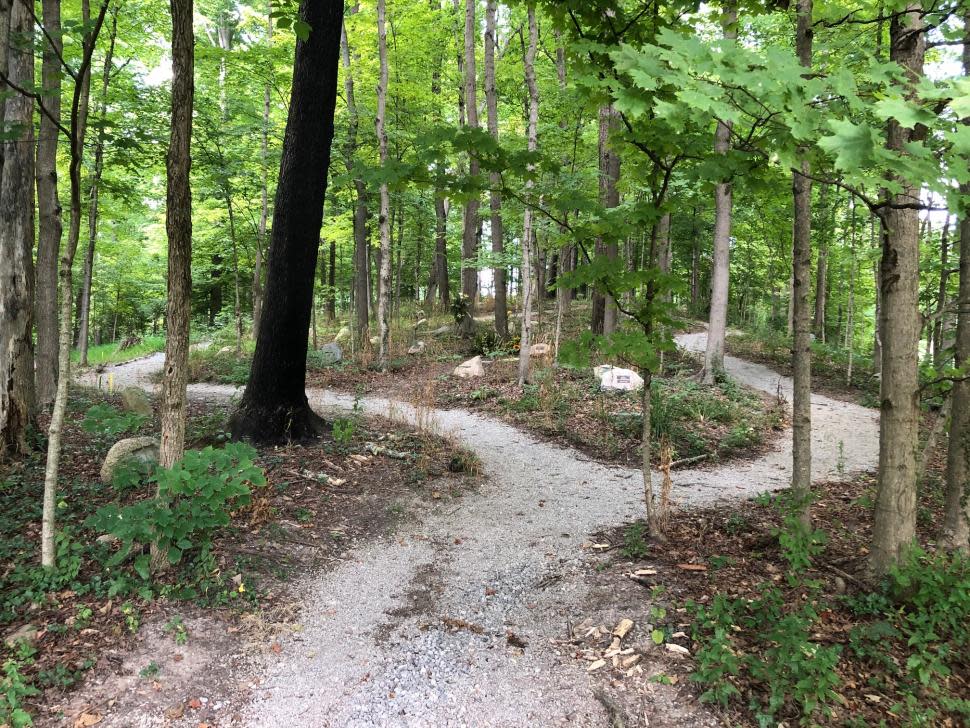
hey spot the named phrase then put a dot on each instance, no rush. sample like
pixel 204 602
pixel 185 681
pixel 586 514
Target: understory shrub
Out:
pixel 195 497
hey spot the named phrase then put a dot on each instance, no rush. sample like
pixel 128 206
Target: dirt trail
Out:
pixel 373 650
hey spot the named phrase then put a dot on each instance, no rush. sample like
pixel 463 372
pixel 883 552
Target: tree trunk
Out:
pixel 84 308
pixel 469 232
pixel 48 212
pixel 495 202
pixel 664 251
pixel 384 283
pixel 274 407
pixel 894 523
pixel 801 483
pixel 940 313
pixel 332 282
pixel 956 522
pixel 261 241
pixel 439 265
pixel 717 325
pixel 850 307
pixel 361 279
pixel 78 124
pixel 528 227
pixel 821 279
pixel 17 234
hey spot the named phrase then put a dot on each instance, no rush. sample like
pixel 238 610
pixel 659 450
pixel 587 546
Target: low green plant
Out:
pixel 635 544
pixel 194 499
pixel 176 627
pixel 105 421
pixel 150 670
pixel 343 430
pixel 14 688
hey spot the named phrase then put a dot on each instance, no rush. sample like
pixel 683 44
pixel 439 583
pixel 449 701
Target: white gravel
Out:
pixel 373 650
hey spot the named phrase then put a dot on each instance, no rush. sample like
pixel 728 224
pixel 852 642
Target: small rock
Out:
pixel 422 322
pixel 417 348
pixel 144 449
pixel 26 633
pixel 677 649
pixel 108 538
pixel 331 353
pixel 540 350
pixel 136 400
pixel 620 380
pixel 470 369
pixel 375 340
pixel 446 329
pixel 343 334
pixel 225 350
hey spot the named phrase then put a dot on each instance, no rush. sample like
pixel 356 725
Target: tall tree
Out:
pixel 495 200
pixel 956 525
pixel 528 224
pixel 361 278
pixel 48 209
pixel 274 407
pixel 717 325
pixel 383 216
pixel 75 134
pixel 16 230
pixel 94 201
pixel 261 241
pixel 894 523
pixel 470 222
pixel 801 284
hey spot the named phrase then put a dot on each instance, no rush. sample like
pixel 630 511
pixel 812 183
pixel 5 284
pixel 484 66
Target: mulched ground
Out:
pixel 321 501
pixel 733 551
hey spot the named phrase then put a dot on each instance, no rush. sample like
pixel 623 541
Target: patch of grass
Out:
pixel 111 353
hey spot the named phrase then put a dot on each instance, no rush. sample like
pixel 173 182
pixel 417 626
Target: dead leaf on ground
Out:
pixel 87 719
pixel 692 567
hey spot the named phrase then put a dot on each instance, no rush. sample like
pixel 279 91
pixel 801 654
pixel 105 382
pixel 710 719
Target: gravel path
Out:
pixel 373 650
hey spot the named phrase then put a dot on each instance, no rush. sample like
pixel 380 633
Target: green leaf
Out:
pixel 142 567
pixel 852 144
pixel 903 111
pixel 657 636
pixel 302 29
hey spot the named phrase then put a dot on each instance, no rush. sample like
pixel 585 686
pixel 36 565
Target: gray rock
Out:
pixel 331 353
pixel 620 380
pixel 470 369
pixel 375 341
pixel 422 322
pixel 446 329
pixel 540 350
pixel 107 538
pixel 417 348
pixel 343 334
pixel 136 400
pixel 225 350
pixel 142 449
pixel 26 633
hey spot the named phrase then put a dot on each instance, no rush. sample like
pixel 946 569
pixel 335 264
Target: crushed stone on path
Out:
pixel 374 649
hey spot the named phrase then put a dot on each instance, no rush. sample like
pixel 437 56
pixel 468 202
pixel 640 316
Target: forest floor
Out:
pixel 468 614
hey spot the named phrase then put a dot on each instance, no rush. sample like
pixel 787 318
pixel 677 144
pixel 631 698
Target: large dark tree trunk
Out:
pixel 274 407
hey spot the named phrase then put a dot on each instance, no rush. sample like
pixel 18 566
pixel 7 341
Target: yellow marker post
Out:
pixel 111 383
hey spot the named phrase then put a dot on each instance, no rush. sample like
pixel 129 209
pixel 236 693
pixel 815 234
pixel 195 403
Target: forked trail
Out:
pixel 374 651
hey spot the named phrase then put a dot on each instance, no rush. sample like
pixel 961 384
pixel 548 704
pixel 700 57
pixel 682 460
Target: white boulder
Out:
pixel 471 368
pixel 144 449
pixel 417 348
pixel 617 379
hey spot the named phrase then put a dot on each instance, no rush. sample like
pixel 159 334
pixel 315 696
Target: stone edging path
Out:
pixel 373 650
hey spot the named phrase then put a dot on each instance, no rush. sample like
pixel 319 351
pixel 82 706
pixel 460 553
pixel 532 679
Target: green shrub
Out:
pixel 106 421
pixel 13 689
pixel 194 499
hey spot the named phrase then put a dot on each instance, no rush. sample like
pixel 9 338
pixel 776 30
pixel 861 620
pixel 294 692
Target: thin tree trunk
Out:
pixel 956 521
pixel 84 322
pixel 262 241
pixel 850 308
pixel 17 234
pixel 439 259
pixel 664 251
pixel 894 523
pixel 361 277
pixel 332 282
pixel 528 228
pixel 274 406
pixel 717 326
pixel 801 275
pixel 469 233
pixel 48 211
pixel 495 200
pixel 79 111
pixel 821 276
pixel 938 315
pixel 384 283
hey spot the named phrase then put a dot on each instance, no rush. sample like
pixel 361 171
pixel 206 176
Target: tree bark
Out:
pixel 48 211
pixel 956 522
pixel 17 234
pixel 361 277
pixel 894 523
pixel 941 298
pixel 261 241
pixel 801 483
pixel 78 124
pixel 495 200
pixel 84 308
pixel 717 325
pixel 274 407
pixel 469 232
pixel 384 223
pixel 528 227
